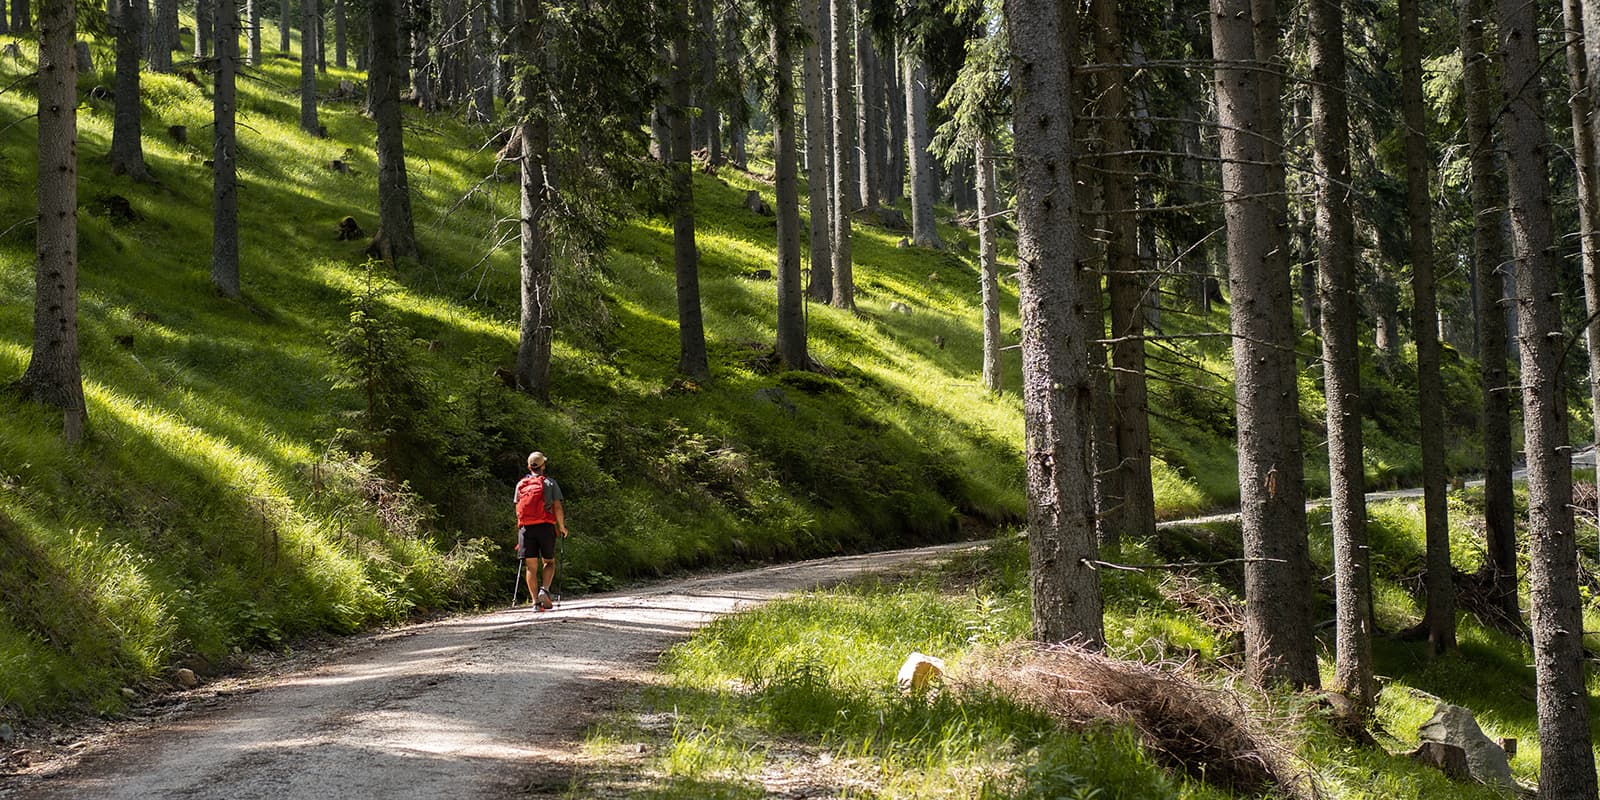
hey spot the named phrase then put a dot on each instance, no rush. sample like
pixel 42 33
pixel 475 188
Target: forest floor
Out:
pixel 484 705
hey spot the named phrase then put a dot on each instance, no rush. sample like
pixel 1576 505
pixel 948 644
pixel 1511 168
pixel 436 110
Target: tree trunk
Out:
pixel 1584 132
pixel 252 13
pixel 127 150
pixel 1440 616
pixel 536 325
pixel 21 17
pixel 225 154
pixel 308 66
pixel 1566 764
pixel 820 286
pixel 706 88
pixel 924 186
pixel 53 375
pixel 321 39
pixel 686 261
pixel 894 159
pixel 1136 517
pixel 1056 390
pixel 385 79
pixel 423 91
pixel 159 43
pixel 791 344
pixel 1335 246
pixel 871 116
pixel 480 109
pixel 204 14
pixel 5 18
pixel 989 264
pixel 846 186
pixel 340 41
pixel 284 27
pixel 1279 647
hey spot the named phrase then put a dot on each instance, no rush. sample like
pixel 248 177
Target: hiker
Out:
pixel 539 520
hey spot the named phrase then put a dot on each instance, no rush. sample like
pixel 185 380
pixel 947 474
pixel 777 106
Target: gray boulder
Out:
pixel 1486 761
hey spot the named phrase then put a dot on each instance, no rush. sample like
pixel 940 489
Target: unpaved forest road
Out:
pixel 470 707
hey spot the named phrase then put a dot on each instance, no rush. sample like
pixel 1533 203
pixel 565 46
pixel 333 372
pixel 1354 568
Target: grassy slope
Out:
pixel 804 690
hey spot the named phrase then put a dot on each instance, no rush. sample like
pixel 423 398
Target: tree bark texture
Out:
pixel 1137 516
pixel 869 133
pixel 1335 245
pixel 791 334
pixel 252 15
pixel 420 25
pixel 1566 764
pixel 480 107
pixel 225 154
pixel 924 185
pixel 535 329
pixel 706 84
pixel 53 375
pixel 310 14
pixel 385 79
pixel 1055 333
pixel 989 264
pixel 820 285
pixel 894 159
pixel 846 186
pixel 204 15
pixel 1587 157
pixel 127 148
pixel 284 27
pixel 159 43
pixel 1279 647
pixel 1440 615
pixel 692 359
pixel 341 39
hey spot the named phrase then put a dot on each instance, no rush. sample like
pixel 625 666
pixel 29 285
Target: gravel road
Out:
pixel 469 707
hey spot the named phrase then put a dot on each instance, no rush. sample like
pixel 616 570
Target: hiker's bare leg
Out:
pixel 531 567
pixel 549 572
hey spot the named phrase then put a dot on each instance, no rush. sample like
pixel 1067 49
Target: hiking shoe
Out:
pixel 544 598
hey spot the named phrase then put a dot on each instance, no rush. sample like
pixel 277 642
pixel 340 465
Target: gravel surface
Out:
pixel 475 706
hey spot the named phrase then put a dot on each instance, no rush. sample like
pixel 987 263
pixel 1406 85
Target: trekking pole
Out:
pixel 561 564
pixel 516 586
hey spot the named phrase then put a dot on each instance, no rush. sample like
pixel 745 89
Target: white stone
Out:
pixel 918 672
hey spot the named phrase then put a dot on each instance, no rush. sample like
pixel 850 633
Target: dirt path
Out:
pixel 470 707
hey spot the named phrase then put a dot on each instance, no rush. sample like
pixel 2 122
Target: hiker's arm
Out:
pixel 561 518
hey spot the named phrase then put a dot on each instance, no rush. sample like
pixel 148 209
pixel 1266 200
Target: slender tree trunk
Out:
pixel 284 27
pixel 5 18
pixel 989 264
pixel 385 79
pixel 1279 647
pixel 791 343
pixel 871 117
pixel 686 262
pixel 158 42
pixel 1566 764
pixel 204 14
pixel 127 150
pixel 423 91
pixel 480 109
pixel 1056 381
pixel 820 287
pixel 894 172
pixel 322 44
pixel 1341 378
pixel 252 13
pixel 924 186
pixel 1136 517
pixel 536 326
pixel 1584 133
pixel 706 88
pixel 53 376
pixel 1440 615
pixel 225 154
pixel 308 66
pixel 846 186
pixel 22 17
pixel 1489 259
pixel 340 39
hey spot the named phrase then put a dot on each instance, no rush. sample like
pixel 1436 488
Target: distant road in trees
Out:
pixel 483 706
pixel 1584 458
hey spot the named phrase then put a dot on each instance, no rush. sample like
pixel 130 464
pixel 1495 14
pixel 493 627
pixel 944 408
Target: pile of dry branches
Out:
pixel 1203 731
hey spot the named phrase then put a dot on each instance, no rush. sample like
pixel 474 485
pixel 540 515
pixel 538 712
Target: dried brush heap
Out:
pixel 1203 731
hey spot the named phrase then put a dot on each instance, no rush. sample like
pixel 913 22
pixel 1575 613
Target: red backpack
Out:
pixel 531 507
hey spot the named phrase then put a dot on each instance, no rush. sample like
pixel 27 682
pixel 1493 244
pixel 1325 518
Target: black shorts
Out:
pixel 537 541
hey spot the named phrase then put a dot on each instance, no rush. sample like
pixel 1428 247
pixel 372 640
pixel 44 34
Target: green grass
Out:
pixel 814 675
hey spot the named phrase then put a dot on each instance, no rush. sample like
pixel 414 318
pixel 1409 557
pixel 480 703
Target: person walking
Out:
pixel 539 520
